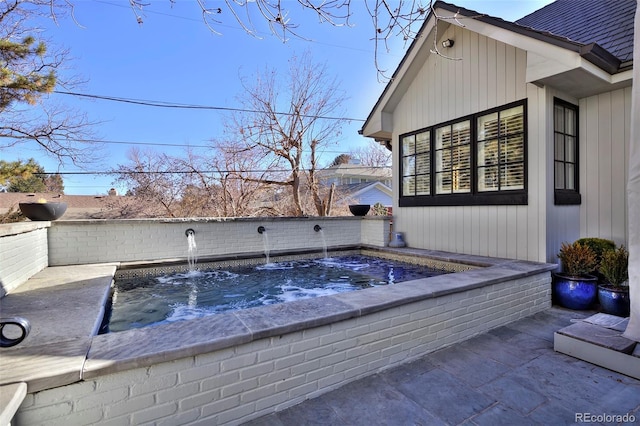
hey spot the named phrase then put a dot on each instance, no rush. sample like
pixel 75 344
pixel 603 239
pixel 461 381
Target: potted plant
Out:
pixel 575 287
pixel 614 294
pixel 359 209
pixel 599 246
pixel 42 210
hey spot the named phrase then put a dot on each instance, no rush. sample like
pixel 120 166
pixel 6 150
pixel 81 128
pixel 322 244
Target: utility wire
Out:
pixel 163 104
pixel 184 172
pixel 158 144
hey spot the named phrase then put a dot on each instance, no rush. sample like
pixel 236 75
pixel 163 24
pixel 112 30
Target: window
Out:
pixel 453 158
pixel 565 139
pixel 416 164
pixel 480 159
pixel 501 150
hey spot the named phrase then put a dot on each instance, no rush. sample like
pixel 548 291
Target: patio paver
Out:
pixel 510 375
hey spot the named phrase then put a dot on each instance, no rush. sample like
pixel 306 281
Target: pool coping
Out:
pixel 56 356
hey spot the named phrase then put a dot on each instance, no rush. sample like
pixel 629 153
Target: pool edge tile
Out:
pixel 141 347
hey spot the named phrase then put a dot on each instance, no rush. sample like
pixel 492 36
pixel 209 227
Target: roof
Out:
pixel 353 189
pixel 609 23
pixel 367 192
pixel 356 170
pixel 612 32
pixel 82 206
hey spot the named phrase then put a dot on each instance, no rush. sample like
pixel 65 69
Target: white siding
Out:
pixel 604 152
pixel 489 74
pixel 603 160
pixel 563 222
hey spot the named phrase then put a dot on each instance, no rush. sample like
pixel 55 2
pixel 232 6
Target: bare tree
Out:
pixel 29 71
pixel 153 178
pixel 194 185
pixel 219 178
pixel 288 127
pixel 389 18
pixel 373 155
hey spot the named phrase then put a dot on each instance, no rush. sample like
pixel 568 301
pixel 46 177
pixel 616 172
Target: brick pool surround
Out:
pixel 146 346
pixel 233 367
pixel 245 364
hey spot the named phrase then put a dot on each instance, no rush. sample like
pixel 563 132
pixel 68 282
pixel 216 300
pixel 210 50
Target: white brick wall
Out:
pixel 376 232
pixel 237 384
pixel 23 253
pixel 81 242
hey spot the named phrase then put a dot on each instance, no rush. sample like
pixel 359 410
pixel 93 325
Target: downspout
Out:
pixel 633 192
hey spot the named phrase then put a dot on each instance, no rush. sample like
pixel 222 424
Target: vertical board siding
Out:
pixel 604 136
pixel 488 74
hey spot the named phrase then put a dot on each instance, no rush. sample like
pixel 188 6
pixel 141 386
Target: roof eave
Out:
pixel 600 57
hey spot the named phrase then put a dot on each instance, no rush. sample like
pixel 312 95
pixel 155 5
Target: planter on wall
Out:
pixel 43 211
pixel 359 209
pixel 578 293
pixel 614 300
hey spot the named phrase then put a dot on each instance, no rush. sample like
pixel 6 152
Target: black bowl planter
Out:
pixel 577 293
pixel 43 211
pixel 359 209
pixel 614 300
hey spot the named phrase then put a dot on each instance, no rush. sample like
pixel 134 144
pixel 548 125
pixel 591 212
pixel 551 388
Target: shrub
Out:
pixel 12 215
pixel 615 266
pixel 577 259
pixel 380 210
pixel 599 246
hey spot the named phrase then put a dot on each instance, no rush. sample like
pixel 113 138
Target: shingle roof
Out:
pixel 84 206
pixel 609 23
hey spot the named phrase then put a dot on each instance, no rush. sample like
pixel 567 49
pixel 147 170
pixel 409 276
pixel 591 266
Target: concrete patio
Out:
pixel 510 375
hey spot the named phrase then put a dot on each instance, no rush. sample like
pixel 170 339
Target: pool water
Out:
pixel 141 302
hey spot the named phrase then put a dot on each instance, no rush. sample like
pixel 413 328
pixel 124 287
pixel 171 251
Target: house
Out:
pixel 354 172
pixel 357 183
pixel 84 206
pixel 510 138
pixel 366 193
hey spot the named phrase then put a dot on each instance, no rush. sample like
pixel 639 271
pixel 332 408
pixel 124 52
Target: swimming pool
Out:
pixel 169 297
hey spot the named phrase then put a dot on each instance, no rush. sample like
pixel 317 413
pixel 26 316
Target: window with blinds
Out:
pixel 416 164
pixel 500 146
pixel 479 159
pixel 453 158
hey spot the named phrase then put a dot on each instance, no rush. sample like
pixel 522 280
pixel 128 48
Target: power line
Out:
pixel 184 172
pixel 158 144
pixel 164 104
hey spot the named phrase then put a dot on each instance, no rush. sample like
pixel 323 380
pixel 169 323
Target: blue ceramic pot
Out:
pixel 577 293
pixel 614 300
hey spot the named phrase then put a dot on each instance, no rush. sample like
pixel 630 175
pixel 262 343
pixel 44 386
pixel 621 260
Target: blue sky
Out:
pixel 173 57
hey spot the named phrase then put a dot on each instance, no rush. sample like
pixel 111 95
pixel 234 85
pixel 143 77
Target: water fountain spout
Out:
pixel 265 241
pixel 192 248
pixel 319 229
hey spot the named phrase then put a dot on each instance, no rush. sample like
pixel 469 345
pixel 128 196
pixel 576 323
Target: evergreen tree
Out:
pixel 17 176
pixel 29 71
pixel 17 82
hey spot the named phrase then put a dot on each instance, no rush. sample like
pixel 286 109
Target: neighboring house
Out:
pixel 354 172
pixel 83 206
pixel 519 142
pixel 366 193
